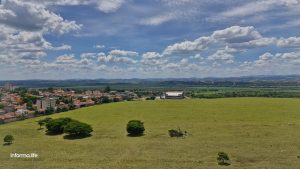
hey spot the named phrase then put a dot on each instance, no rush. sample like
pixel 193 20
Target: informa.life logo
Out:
pixel 24 155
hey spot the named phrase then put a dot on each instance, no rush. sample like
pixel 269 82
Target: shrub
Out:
pixel 177 133
pixel 76 128
pixel 56 126
pixel 8 139
pixel 135 128
pixel 223 159
pixel 44 121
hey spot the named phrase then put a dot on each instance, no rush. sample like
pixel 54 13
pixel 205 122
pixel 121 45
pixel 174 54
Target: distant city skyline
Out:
pixel 89 39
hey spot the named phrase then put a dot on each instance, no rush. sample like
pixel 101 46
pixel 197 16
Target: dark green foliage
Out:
pixel 44 121
pixel 105 99
pixel 49 110
pixel 56 126
pixel 107 89
pixel 1 106
pixel 135 128
pixel 76 128
pixel 150 98
pixel 223 159
pixel 177 133
pixel 8 139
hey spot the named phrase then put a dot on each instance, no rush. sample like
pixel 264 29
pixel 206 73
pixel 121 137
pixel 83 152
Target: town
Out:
pixel 19 103
pixel 22 103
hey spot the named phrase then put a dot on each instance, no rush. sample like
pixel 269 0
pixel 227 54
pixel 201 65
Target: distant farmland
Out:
pixel 254 132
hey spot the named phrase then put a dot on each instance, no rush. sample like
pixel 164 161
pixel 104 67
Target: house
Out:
pixel 174 95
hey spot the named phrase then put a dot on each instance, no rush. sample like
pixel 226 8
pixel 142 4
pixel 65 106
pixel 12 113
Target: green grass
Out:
pixel 254 132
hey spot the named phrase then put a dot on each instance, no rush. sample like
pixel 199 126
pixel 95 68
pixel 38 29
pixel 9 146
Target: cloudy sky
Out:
pixel 66 39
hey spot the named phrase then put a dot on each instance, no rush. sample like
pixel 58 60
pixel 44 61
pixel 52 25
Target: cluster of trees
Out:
pixel 73 128
pixel 254 93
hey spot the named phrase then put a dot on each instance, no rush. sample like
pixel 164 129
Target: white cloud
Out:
pixel 118 56
pixel 189 46
pixel 289 42
pixel 158 20
pixel 99 46
pixel 255 7
pixel 33 17
pixel 125 53
pixel 237 34
pixel 109 6
pixel 223 55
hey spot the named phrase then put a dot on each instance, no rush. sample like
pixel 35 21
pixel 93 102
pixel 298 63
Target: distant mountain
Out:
pixel 280 80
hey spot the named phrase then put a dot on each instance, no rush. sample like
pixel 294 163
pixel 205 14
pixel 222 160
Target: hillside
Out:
pixel 255 132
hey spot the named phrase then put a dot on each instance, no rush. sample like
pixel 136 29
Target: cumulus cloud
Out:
pixel 189 46
pixel 118 56
pixel 225 55
pixel 289 42
pixel 237 34
pixel 22 15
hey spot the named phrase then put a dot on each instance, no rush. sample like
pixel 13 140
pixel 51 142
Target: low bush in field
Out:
pixel 76 128
pixel 8 139
pixel 223 159
pixel 135 128
pixel 177 133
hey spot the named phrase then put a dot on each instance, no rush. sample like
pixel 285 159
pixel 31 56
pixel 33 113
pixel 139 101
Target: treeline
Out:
pixel 276 94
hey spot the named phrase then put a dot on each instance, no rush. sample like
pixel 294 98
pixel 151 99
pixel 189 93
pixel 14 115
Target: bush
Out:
pixel 44 121
pixel 8 139
pixel 135 128
pixel 177 133
pixel 56 126
pixel 76 128
pixel 223 159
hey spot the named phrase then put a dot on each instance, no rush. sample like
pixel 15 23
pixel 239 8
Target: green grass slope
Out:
pixel 255 132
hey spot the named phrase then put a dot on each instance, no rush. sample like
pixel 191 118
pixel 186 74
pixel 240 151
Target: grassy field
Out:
pixel 255 132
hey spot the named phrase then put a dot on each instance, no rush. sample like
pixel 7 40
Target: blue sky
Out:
pixel 65 39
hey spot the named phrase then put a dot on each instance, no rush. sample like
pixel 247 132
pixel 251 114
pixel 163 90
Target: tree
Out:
pixel 107 89
pixel 135 128
pixel 44 121
pixel 78 129
pixel 105 99
pixel 56 126
pixel 29 105
pixel 49 110
pixel 1 106
pixel 8 139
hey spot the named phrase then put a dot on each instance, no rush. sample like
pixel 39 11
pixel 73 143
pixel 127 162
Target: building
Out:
pixel 45 103
pixel 174 95
pixel 8 87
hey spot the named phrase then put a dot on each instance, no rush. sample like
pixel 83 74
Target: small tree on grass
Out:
pixel 135 128
pixel 8 139
pixel 223 159
pixel 78 129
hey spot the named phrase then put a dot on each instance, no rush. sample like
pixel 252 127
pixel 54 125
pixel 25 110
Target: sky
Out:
pixel 89 39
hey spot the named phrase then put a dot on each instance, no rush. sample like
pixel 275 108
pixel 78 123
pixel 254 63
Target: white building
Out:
pixel 174 95
pixel 45 103
pixel 8 87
